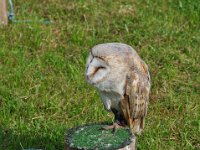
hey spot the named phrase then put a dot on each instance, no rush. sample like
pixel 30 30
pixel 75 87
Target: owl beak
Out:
pixel 90 72
pixel 87 77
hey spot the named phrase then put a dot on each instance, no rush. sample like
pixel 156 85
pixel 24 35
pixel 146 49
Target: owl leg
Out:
pixel 118 122
pixel 119 119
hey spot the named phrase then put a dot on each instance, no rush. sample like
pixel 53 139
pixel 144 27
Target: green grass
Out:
pixel 42 88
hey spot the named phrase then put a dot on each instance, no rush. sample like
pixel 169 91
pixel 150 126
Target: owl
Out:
pixel 123 81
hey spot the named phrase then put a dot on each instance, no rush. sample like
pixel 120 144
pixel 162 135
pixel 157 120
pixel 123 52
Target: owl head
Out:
pixel 108 64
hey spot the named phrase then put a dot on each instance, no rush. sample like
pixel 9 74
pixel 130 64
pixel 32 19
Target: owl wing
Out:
pixel 134 104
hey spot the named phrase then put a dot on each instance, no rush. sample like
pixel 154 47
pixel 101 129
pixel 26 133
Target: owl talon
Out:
pixel 108 127
pixel 113 127
pixel 116 126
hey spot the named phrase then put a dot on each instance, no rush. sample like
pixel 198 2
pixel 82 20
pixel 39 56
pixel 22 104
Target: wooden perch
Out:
pixel 3 13
pixel 94 137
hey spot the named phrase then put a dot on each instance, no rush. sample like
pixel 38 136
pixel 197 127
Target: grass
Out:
pixel 42 88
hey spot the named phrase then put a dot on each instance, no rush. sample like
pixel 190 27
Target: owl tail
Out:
pixel 136 125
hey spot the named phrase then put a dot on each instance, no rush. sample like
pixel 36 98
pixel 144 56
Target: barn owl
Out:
pixel 123 82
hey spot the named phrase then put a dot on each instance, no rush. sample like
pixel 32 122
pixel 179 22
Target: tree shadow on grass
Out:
pixel 12 141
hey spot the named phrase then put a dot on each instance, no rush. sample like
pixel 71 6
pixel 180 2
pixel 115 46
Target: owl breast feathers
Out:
pixel 123 81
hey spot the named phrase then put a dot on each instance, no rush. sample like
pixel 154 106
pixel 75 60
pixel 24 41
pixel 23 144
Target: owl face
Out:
pixel 97 69
pixel 106 67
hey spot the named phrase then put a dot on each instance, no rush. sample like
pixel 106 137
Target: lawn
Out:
pixel 42 87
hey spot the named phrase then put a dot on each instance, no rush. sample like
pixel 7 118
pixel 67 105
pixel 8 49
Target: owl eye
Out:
pixel 98 68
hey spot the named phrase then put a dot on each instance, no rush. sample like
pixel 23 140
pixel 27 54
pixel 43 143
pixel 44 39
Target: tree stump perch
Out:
pixel 89 137
pixel 3 13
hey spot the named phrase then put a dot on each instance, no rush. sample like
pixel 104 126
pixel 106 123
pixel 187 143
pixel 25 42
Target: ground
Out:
pixel 42 87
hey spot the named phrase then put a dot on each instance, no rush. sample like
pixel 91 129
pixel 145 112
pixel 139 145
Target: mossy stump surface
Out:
pixel 89 137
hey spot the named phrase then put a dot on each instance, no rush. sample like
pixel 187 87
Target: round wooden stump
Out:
pixel 89 137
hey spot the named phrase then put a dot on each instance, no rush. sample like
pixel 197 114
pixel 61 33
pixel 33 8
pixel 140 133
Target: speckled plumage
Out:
pixel 123 81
